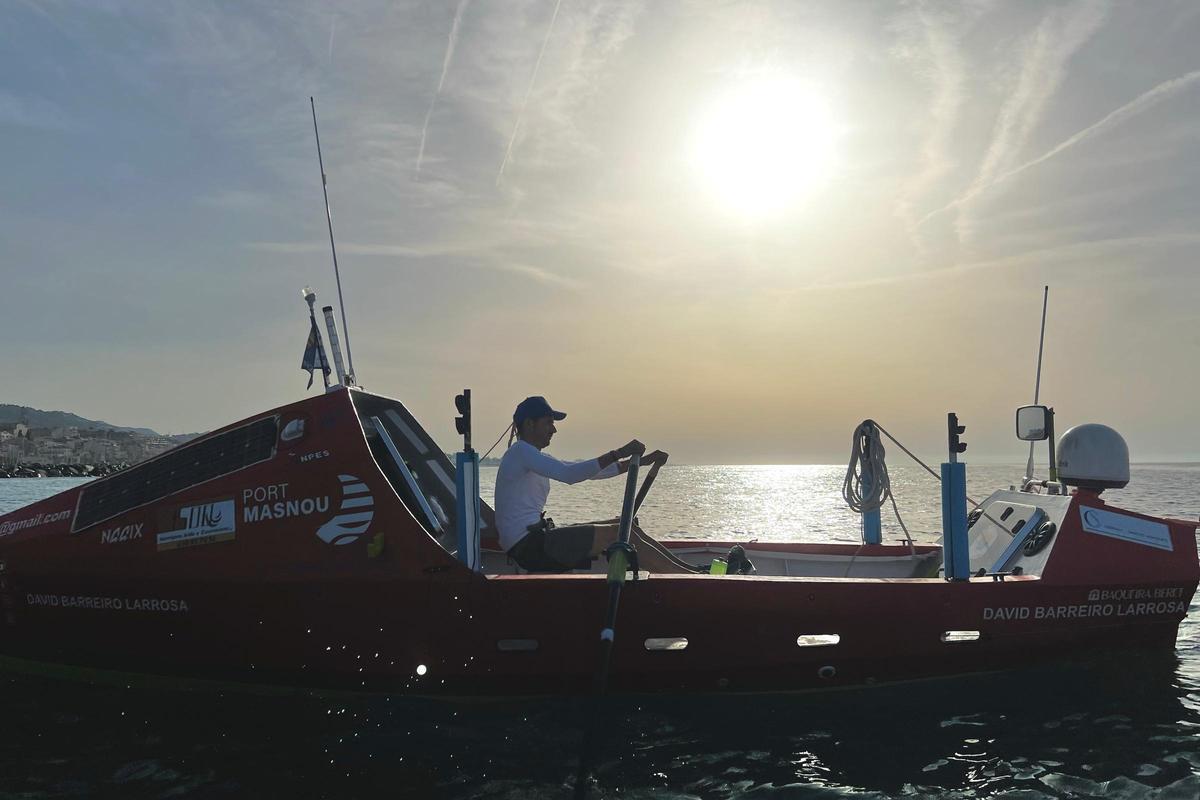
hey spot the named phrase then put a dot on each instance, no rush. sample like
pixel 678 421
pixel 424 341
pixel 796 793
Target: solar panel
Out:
pixel 176 470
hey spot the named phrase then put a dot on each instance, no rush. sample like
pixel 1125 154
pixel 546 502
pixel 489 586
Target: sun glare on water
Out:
pixel 764 146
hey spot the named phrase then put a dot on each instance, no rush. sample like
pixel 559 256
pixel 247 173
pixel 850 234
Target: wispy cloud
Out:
pixel 1045 56
pixel 332 27
pixel 451 42
pixel 588 43
pixel 541 275
pixel 528 91
pixel 33 112
pixel 477 254
pixel 1139 105
pixel 432 250
pixel 1085 253
pixel 938 55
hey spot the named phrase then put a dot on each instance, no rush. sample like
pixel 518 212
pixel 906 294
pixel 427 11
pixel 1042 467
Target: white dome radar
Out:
pixel 1093 456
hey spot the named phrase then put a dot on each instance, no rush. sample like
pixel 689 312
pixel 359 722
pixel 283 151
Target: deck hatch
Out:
pixel 176 470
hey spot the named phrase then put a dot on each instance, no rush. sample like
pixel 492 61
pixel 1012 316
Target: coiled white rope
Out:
pixel 866 456
pixel 881 490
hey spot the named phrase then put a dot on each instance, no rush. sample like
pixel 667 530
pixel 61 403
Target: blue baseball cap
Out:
pixel 535 408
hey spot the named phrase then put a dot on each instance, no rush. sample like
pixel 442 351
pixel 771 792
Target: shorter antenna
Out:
pixel 349 377
pixel 334 345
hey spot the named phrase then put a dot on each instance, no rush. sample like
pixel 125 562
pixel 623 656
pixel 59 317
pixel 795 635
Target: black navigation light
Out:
pixel 463 423
pixel 953 429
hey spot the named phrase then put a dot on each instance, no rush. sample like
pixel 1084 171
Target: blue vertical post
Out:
pixel 466 501
pixel 466 488
pixel 956 551
pixel 872 521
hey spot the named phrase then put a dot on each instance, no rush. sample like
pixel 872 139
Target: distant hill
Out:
pixel 36 418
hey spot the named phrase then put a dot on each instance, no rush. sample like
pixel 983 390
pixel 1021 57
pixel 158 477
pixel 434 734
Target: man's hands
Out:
pixel 634 446
pixel 657 457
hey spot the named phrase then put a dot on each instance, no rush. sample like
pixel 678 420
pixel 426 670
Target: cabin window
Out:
pixel 667 643
pixel 419 471
pixel 818 639
pixel 178 469
pixel 960 636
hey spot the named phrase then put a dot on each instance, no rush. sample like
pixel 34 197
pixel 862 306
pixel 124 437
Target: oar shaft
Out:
pixel 627 508
pixel 617 566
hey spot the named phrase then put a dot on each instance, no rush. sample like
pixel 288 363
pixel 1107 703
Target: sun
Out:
pixel 764 145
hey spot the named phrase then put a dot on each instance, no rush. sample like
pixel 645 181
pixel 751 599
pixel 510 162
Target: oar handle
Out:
pixel 650 476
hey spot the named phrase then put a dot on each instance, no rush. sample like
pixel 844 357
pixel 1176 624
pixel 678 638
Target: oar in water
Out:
pixel 621 556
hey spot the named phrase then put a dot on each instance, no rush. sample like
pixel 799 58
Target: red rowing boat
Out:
pixel 315 545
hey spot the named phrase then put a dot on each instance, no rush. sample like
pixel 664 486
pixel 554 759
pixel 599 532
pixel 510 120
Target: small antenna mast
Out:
pixel 1037 384
pixel 337 275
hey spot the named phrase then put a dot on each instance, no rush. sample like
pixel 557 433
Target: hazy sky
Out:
pixel 733 230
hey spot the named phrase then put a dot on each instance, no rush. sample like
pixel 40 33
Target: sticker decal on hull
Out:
pixel 1126 528
pixel 32 522
pixel 354 515
pixel 121 533
pixel 202 524
pixel 102 603
pixel 272 502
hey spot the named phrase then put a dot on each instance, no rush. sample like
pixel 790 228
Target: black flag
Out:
pixel 314 355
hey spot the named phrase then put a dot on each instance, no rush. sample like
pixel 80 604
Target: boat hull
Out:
pixel 531 635
pixel 304 563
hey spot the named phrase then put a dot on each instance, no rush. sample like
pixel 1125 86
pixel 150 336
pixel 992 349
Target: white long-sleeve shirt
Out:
pixel 523 484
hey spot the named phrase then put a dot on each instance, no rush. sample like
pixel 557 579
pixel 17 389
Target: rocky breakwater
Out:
pixel 60 470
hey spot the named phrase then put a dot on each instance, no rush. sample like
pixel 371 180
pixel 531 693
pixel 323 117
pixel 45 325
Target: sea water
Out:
pixel 1125 728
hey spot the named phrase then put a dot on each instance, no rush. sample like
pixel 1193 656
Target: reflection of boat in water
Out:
pixel 318 544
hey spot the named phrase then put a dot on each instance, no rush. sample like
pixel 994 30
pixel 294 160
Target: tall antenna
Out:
pixel 1037 383
pixel 329 218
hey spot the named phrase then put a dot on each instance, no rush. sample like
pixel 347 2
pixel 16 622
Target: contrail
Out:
pixel 1060 35
pixel 1131 109
pixel 528 91
pixel 332 25
pixel 1042 68
pixel 450 44
pixel 1141 103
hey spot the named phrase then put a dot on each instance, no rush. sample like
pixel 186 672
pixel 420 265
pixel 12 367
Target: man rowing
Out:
pixel 523 485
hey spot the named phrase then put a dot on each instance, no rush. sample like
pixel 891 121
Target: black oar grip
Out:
pixel 650 476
